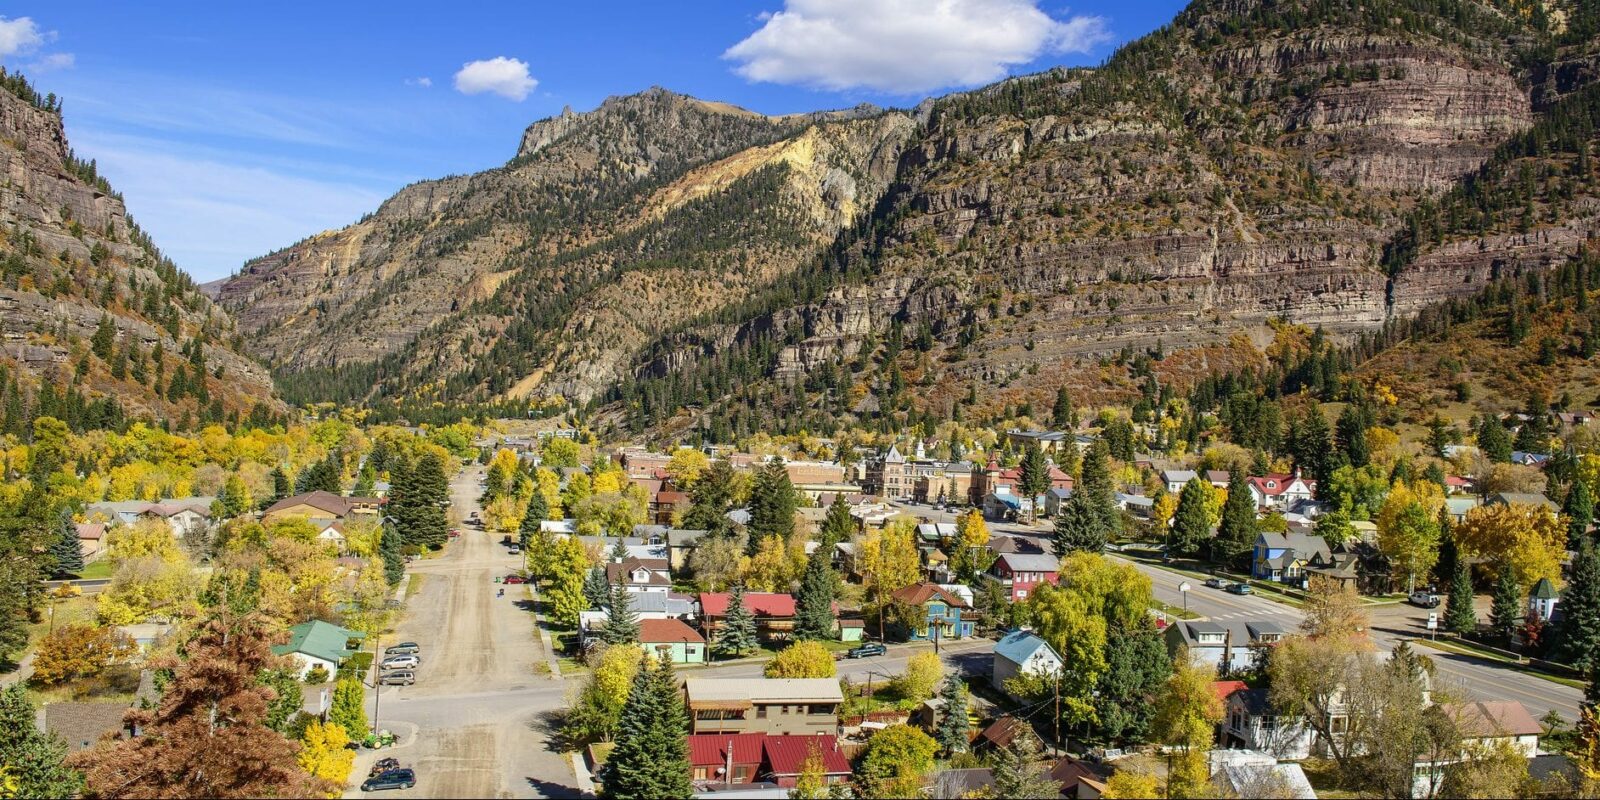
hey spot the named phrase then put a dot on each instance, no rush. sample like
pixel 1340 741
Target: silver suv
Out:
pixel 401 677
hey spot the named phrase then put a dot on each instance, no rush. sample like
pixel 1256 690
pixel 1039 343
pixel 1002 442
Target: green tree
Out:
pixel 280 484
pixel 104 339
pixel 1034 475
pixel 738 632
pixel 1191 526
pixel 710 501
pixel 1015 770
pixel 1577 634
pixel 622 622
pixel 837 525
pixel 389 547
pixel 348 709
pixel 895 762
pixel 772 505
pixel 66 553
pixel 233 500
pixel 1493 439
pixel 953 730
pixel 33 758
pixel 1236 535
pixel 1579 511
pixel 1411 541
pixel 536 512
pixel 287 698
pixel 651 759
pixel 1137 666
pixel 595 589
pixel 814 617
pixel 1098 488
pixel 1459 616
pixel 1505 611
pixel 1062 414
pixel 1078 527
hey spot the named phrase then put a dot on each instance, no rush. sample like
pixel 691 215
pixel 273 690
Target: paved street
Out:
pixel 1482 678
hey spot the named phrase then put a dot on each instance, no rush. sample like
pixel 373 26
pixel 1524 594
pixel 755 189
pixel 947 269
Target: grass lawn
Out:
pixel 96 570
pixel 1175 611
pixel 1467 648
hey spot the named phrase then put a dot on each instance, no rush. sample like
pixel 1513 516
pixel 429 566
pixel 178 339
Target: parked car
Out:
pixel 515 549
pixel 514 578
pixel 393 779
pixel 1239 588
pixel 1424 599
pixel 399 677
pixel 867 650
pixel 383 765
pixel 401 662
pixel 1216 583
pixel 403 649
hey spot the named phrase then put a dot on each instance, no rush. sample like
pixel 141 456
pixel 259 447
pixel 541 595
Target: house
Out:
pixel 1176 479
pixel 1482 724
pixel 1002 544
pixel 320 504
pixel 318 644
pixel 182 515
pixel 1542 599
pixel 932 534
pixel 81 725
pixel 1006 506
pixel 1530 459
pixel 559 527
pixel 1520 498
pixel 1249 721
pixel 91 538
pixel 667 503
pixel 1020 573
pixel 1277 490
pixel 943 616
pixel 1055 499
pixel 1247 773
pixel 1048 441
pixel 1218 478
pixel 1285 557
pixel 681 544
pixel 1023 653
pixel 1231 645
pixel 994 480
pixel 801 706
pixel 330 532
pixel 646 605
pixel 1458 506
pixel 640 575
pixel 1079 780
pixel 851 630
pixel 786 756
pixel 748 758
pixel 679 642
pixel 889 477
pixel 774 613
pixel 1001 732
pixel 1138 505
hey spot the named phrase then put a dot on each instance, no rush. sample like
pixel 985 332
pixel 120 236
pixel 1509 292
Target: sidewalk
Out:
pixel 544 633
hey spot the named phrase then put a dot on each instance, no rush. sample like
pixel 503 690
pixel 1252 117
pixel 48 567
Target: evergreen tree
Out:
pixel 838 525
pixel 595 589
pixel 1313 446
pixel 1579 511
pixel 814 617
pixel 738 632
pixel 532 516
pixel 105 337
pixel 772 505
pixel 389 545
pixel 952 732
pixel 280 484
pixel 1034 475
pixel 33 759
pixel 1078 527
pixel 1236 535
pixel 1505 612
pixel 1493 439
pixel 1459 616
pixel 1137 667
pixel 651 757
pixel 1350 433
pixel 1016 776
pixel 1190 526
pixel 1577 635
pixel 710 501
pixel 366 481
pixel 66 554
pixel 622 622
pixel 1097 487
pixel 1062 413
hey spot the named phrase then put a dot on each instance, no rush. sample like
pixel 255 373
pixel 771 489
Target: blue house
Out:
pixel 1285 557
pixel 944 614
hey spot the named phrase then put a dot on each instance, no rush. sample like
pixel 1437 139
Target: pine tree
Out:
pixel 952 732
pixel 710 501
pixel 1459 616
pixel 33 759
pixel 1577 635
pixel 772 505
pixel 1190 525
pixel 1097 487
pixel 1034 475
pixel 389 545
pixel 1493 439
pixel 105 337
pixel 280 484
pixel 622 622
pixel 1078 527
pixel 1062 413
pixel 837 525
pixel 1236 535
pixel 1579 511
pixel 595 589
pixel 1015 775
pixel 66 554
pixel 651 757
pixel 738 632
pixel 536 512
pixel 1505 612
pixel 814 617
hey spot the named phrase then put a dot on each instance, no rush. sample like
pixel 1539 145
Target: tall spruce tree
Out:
pixel 952 732
pixel 1459 617
pixel 1062 415
pixel 772 505
pixel 533 515
pixel 33 758
pixel 738 632
pixel 595 589
pixel 1577 634
pixel 651 757
pixel 1493 439
pixel 622 621
pixel 1034 476
pixel 710 500
pixel 1579 511
pixel 1190 526
pixel 1236 535
pixel 280 484
pixel 1137 668
pixel 1097 487
pixel 390 543
pixel 66 554
pixel 814 617
pixel 838 525
pixel 1505 611
pixel 1078 527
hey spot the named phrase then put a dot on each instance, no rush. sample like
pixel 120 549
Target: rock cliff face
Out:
pixel 70 257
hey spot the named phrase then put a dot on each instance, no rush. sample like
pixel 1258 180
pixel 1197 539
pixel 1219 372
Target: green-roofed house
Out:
pixel 1542 600
pixel 318 644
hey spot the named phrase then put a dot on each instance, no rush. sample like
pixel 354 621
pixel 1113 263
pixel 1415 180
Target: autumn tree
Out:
pixel 923 672
pixel 348 710
pixel 890 561
pixel 325 755
pixel 895 762
pixel 594 714
pixel 806 659
pixel 1131 785
pixel 651 759
pixel 78 651
pixel 1333 611
pixel 969 551
pixel 1186 716
pixel 686 466
pixel 207 737
pixel 1410 538
pixel 568 565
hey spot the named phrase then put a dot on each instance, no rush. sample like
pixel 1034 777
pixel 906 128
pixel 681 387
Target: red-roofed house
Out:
pixel 1225 689
pixel 1021 573
pixel 724 758
pixel 91 537
pixel 786 758
pixel 720 759
pixel 668 502
pixel 774 613
pixel 1277 490
pixel 943 613
pixel 682 643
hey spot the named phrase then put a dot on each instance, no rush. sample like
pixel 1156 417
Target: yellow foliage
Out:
pixel 889 558
pixel 1529 539
pixel 806 659
pixel 326 754
pixel 1129 785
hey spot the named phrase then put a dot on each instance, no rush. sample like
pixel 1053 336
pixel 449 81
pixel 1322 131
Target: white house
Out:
pixel 1176 479
pixel 318 644
pixel 1023 653
pixel 640 575
pixel 1482 724
pixel 1249 721
pixel 1277 490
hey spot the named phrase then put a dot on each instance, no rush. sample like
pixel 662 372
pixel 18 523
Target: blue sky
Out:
pixel 233 129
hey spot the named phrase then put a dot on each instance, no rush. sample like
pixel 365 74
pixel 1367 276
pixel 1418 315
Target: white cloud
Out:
pixel 906 47
pixel 507 77
pixel 54 61
pixel 423 82
pixel 20 35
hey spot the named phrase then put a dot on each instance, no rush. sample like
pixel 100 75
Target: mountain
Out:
pixel 1330 163
pixel 95 324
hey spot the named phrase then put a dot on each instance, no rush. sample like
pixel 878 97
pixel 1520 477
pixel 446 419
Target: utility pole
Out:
pixel 377 688
pixel 1057 719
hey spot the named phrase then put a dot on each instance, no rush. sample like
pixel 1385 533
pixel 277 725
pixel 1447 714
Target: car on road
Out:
pixel 383 765
pixel 1216 583
pixel 399 677
pixel 515 549
pixel 401 662
pixel 1424 599
pixel 867 650
pixel 393 779
pixel 1239 588
pixel 515 578
pixel 403 649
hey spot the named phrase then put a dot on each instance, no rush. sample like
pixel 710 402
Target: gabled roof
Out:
pixel 762 604
pixel 1493 719
pixel 1018 646
pixel 731 692
pixel 1224 689
pixel 1276 483
pixel 80 725
pixel 919 593
pixel 712 749
pixel 319 639
pixel 90 530
pixel 1003 730
pixel 334 504
pixel 786 755
pixel 667 631
pixel 1030 562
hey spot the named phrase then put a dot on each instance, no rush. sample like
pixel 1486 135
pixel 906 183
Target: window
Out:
pixel 761 712
pixel 741 774
pixel 699 773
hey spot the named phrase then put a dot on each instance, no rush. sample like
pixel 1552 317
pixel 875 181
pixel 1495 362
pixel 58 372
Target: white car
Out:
pixel 401 662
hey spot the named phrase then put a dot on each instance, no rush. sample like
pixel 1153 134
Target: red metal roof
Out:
pixel 667 631
pixel 918 593
pixel 711 749
pixel 762 604
pixel 786 755
pixel 1225 689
